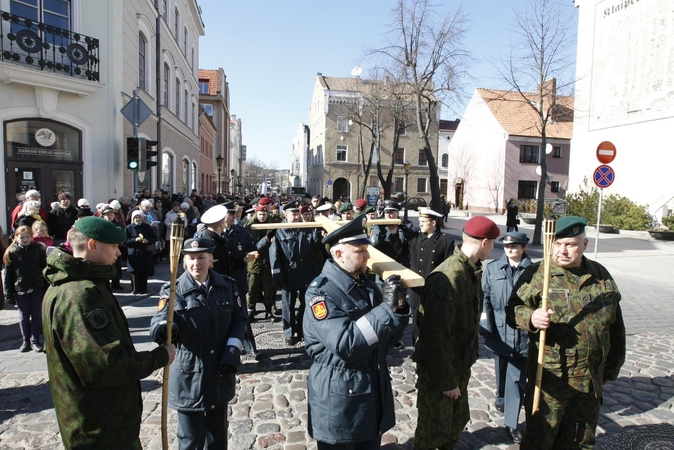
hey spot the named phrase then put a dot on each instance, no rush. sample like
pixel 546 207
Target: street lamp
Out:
pixel 232 173
pixel 407 173
pixel 218 161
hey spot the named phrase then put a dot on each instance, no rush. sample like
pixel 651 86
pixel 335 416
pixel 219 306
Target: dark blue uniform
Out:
pixel 348 332
pixel 293 266
pixel 211 326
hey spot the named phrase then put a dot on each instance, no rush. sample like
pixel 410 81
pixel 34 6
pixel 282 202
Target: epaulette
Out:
pixel 166 286
pixel 319 281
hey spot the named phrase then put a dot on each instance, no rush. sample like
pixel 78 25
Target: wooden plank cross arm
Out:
pixel 379 263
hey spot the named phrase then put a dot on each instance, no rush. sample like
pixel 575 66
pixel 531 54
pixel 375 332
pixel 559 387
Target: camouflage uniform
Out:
pixel 94 369
pixel 260 283
pixel 446 349
pixel 585 346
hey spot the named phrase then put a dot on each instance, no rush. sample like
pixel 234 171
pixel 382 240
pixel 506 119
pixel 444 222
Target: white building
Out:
pixel 298 157
pixel 625 95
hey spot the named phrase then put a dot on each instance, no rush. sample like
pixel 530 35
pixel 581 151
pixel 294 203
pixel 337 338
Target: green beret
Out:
pixel 100 230
pixel 346 207
pixel 255 200
pixel 570 226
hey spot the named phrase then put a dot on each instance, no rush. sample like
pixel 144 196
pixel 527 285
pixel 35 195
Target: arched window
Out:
pixel 167 173
pixel 177 98
pixel 142 48
pixel 167 77
pixel 193 176
pixel 445 160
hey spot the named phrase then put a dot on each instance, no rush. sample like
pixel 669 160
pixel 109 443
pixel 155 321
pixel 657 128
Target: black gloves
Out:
pixel 271 233
pixel 160 333
pixel 392 291
pixel 225 371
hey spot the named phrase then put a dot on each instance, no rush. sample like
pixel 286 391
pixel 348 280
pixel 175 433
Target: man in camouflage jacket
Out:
pixel 94 369
pixel 447 344
pixel 584 346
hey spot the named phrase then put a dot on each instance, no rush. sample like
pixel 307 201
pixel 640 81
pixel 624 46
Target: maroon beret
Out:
pixel 481 227
pixel 305 209
pixel 265 201
pixel 260 208
pixel 361 203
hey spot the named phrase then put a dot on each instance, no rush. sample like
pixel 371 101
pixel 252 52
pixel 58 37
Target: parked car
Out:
pixel 415 203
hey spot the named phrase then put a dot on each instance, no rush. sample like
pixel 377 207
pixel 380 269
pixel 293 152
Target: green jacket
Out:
pixel 94 369
pixel 586 338
pixel 452 303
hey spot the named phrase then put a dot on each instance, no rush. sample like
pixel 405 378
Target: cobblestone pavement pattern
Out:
pixel 270 407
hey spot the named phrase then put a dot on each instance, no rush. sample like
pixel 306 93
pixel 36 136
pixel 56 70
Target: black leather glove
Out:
pixel 160 333
pixel 392 291
pixel 225 371
pixel 271 233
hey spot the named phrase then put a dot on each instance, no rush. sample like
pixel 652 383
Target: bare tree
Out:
pixel 541 55
pixel 462 165
pixel 426 52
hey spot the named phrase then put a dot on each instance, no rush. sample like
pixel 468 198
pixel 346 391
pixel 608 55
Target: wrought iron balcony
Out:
pixel 44 47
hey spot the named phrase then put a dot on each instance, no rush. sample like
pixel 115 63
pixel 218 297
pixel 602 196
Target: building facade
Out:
pixel 446 131
pixel 496 151
pixel 68 68
pixel 625 95
pixel 214 100
pixel 340 141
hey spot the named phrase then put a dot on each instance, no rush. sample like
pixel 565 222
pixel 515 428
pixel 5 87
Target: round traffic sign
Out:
pixel 604 176
pixel 606 152
pixel 329 182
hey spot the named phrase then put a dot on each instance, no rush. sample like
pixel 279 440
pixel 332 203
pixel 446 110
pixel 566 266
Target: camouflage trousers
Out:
pixel 261 289
pixel 566 418
pixel 441 418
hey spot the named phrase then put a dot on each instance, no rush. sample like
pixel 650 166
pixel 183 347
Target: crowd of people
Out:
pixel 62 267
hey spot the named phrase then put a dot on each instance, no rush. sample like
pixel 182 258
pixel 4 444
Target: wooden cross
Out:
pixel 379 263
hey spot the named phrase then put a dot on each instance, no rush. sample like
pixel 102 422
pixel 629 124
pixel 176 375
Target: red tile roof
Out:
pixel 212 77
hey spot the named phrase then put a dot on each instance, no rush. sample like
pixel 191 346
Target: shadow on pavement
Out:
pixel 24 400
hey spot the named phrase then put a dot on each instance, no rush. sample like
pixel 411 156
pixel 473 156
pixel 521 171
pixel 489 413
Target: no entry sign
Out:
pixel 603 176
pixel 606 152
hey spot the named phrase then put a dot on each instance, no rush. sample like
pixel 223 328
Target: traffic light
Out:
pixel 132 153
pixel 147 152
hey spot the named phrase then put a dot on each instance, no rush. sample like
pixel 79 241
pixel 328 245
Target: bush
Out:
pixel 668 222
pixel 617 210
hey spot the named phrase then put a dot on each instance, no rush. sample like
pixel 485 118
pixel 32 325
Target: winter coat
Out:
pixel 211 326
pixel 139 258
pixel 24 275
pixel 292 258
pixel 427 253
pixel 348 332
pixel 497 284
pixel 60 220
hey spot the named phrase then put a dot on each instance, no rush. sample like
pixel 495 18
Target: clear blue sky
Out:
pixel 271 51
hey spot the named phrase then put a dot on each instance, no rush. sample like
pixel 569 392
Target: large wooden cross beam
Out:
pixel 379 263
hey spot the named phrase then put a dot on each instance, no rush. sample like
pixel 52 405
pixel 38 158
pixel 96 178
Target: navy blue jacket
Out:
pixel 239 243
pixel 292 258
pixel 497 284
pixel 348 332
pixel 211 328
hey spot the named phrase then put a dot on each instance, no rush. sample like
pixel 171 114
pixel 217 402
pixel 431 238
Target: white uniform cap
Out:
pixel 214 214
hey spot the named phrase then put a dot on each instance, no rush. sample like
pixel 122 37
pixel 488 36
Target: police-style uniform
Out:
pixel 348 332
pixel 210 323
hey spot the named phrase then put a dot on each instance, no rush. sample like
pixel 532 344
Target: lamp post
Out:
pixel 407 174
pixel 218 161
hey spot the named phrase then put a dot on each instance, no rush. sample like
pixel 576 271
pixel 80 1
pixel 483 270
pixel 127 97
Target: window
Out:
pixel 529 154
pixel 422 157
pixel 167 75
pixel 342 124
pixel 398 184
pixel 177 98
pixel 341 152
pixel 203 87
pixel 208 108
pixel 402 128
pixel 185 111
pixel 399 156
pixel 526 189
pixel 50 12
pixel 185 35
pixel 195 121
pixel 556 152
pixel 192 58
pixel 167 172
pixel 421 184
pixel 164 10
pixel 142 46
pixel 445 160
pixel 554 186
pixel 176 31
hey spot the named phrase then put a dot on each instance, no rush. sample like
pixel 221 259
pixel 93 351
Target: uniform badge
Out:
pixel 97 319
pixel 318 307
pixel 161 304
pixel 194 244
pixel 240 248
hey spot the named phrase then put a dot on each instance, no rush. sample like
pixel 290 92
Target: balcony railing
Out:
pixel 44 47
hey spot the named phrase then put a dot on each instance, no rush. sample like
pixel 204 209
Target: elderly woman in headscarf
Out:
pixel 140 243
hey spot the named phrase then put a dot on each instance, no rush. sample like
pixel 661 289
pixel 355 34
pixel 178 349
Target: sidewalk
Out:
pixel 270 408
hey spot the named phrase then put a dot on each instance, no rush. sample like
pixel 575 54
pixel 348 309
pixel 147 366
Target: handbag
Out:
pixel 517 221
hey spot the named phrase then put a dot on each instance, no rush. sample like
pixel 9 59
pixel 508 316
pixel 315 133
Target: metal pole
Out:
pixel 596 238
pixel 407 200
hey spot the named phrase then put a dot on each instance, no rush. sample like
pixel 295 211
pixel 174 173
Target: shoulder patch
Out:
pixel 318 307
pixel 98 319
pixel 161 304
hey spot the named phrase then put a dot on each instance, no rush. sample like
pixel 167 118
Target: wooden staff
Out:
pixel 548 241
pixel 177 236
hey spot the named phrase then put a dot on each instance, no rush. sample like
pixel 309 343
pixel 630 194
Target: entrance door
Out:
pixel 49 179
